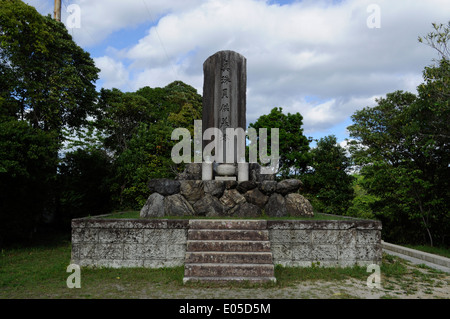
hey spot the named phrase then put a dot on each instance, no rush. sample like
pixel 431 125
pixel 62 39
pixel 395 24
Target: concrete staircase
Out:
pixel 228 250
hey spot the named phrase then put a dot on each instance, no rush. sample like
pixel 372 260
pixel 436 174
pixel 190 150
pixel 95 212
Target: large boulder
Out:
pixel 288 186
pixel 243 187
pixel 177 205
pixel 154 207
pixel 297 205
pixel 268 187
pixel 257 198
pixel 215 188
pixel 208 205
pixel 192 190
pixel 276 206
pixel 164 186
pixel 231 198
pixel 247 210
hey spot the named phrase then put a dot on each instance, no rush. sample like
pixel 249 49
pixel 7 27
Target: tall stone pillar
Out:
pixel 224 97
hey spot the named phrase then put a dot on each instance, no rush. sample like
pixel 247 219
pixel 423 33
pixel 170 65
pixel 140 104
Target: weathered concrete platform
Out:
pixel 155 243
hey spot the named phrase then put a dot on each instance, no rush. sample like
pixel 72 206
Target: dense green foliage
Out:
pixel 27 164
pixel 293 144
pixel 362 203
pixel 402 145
pixel 48 78
pixel 84 185
pixel 137 130
pixel 327 181
pixel 46 84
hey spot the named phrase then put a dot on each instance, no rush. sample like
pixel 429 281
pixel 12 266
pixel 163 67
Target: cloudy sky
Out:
pixel 324 59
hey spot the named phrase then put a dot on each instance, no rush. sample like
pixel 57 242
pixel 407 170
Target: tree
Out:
pixel 84 183
pixel 147 157
pixel 26 178
pixel 327 180
pixel 121 115
pixel 439 39
pixel 403 165
pixel 137 128
pixel 403 147
pixel 46 86
pixel 293 145
pixel 363 202
pixel 50 78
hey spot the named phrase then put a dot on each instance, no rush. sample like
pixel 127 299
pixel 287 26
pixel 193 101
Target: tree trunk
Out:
pixel 428 230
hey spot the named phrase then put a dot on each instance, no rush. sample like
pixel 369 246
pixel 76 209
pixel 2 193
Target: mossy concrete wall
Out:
pixel 129 242
pixel 325 243
pixel 159 243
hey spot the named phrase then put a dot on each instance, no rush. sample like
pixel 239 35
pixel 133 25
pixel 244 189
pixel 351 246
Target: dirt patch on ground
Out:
pixel 419 283
pixel 399 279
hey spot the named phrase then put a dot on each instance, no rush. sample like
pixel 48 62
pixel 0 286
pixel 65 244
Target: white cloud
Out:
pixel 113 73
pixel 307 50
pixel 101 18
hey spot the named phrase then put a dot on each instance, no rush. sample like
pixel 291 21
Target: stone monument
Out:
pixel 224 107
pixel 223 183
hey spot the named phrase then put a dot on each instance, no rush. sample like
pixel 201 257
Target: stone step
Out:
pixel 222 234
pixel 228 246
pixel 228 270
pixel 228 250
pixel 228 279
pixel 227 224
pixel 229 257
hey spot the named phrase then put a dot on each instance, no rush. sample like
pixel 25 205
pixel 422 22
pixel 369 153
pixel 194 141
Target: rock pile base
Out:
pixel 225 198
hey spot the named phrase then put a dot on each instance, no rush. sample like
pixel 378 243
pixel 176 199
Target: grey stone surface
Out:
pixel 164 186
pixel 248 210
pixel 209 206
pixel 417 254
pixel 291 204
pixel 177 205
pixel 207 171
pixel 154 207
pixel 276 206
pixel 242 172
pixel 163 243
pixel 129 243
pixel 231 198
pixel 214 188
pixel 225 178
pixel 288 186
pixel 245 186
pixel 224 92
pixel 192 191
pixel 257 198
pixel 297 205
pixel 268 187
pixel 225 169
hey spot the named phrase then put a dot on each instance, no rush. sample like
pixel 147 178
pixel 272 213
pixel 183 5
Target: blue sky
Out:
pixel 321 58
